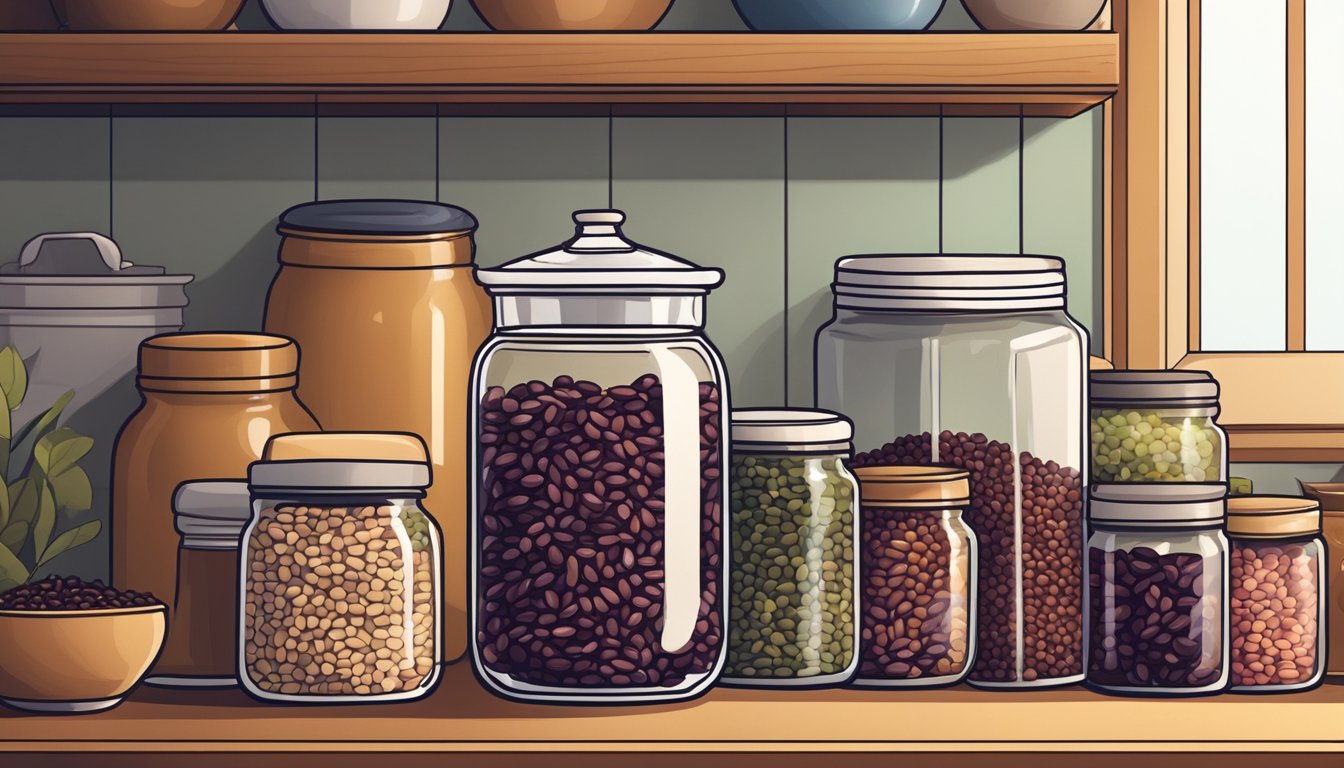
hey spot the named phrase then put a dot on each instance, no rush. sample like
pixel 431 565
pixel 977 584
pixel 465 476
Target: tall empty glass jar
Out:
pixel 792 600
pixel 600 423
pixel 972 361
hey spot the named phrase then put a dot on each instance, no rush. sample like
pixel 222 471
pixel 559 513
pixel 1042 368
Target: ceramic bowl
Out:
pixel 27 16
pixel 77 661
pixel 1019 15
pixel 838 15
pixel 571 15
pixel 380 15
pixel 147 15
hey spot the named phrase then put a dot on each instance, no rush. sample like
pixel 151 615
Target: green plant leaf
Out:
pixel 42 424
pixel 4 508
pixel 45 522
pixel 11 568
pixel 13 377
pixel 27 497
pixel 72 489
pixel 6 424
pixel 75 537
pixel 15 534
pixel 59 450
pixel 7 584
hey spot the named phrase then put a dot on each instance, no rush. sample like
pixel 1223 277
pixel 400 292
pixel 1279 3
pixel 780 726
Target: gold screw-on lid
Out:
pixel 914 486
pixel 1272 516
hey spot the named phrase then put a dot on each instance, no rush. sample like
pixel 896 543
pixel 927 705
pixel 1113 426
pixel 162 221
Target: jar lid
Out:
pixel 945 283
pixel 211 513
pixel 1172 389
pixel 342 461
pixel 599 259
pixel 1329 495
pixel 791 429
pixel 914 486
pixel 1158 504
pixel 218 362
pixel 1267 516
pixel 377 218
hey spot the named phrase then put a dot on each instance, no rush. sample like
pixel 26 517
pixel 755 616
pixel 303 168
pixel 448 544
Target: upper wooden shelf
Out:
pixel 1046 73
pixel 463 725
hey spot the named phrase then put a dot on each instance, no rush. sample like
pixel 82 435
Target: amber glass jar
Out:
pixel 210 401
pixel 201 650
pixel 382 298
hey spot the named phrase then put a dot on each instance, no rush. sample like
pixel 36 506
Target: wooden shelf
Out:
pixel 462 724
pixel 1046 73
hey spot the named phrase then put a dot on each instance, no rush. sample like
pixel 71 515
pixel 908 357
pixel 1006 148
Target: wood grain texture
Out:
pixel 461 720
pixel 1041 68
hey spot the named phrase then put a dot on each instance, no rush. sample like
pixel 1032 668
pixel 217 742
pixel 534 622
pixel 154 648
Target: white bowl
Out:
pixel 356 14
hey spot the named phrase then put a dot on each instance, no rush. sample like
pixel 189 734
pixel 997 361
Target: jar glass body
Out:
pixel 1144 444
pixel 172 438
pixel 341 599
pixel 201 650
pixel 919 617
pixel 598 559
pixel 792 600
pixel 1000 394
pixel 1276 587
pixel 1157 613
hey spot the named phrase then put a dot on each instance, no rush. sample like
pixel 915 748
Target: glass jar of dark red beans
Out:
pixel 972 361
pixel 600 423
pixel 1158 589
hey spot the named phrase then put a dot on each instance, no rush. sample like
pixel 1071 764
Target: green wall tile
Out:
pixel 711 190
pixel 980 185
pixel 362 157
pixel 1063 214
pixel 522 177
pixel 201 195
pixel 856 185
pixel 53 177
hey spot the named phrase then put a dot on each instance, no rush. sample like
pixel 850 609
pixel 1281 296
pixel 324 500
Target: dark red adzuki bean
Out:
pixel 1151 620
pixel 571 540
pixel 1051 557
pixel 70 593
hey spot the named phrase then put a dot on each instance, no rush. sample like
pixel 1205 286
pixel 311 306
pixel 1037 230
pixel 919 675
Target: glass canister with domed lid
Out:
pixel 600 431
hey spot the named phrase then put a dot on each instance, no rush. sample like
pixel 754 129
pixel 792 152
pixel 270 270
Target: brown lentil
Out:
pixel 1274 600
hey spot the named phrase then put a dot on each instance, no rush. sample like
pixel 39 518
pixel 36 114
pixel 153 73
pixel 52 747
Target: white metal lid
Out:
pixel 952 282
pixel 211 514
pixel 77 278
pixel 1158 504
pixel 1171 389
pixel 790 429
pixel 342 462
pixel 599 259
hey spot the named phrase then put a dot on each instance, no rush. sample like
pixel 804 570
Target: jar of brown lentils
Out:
pixel 340 572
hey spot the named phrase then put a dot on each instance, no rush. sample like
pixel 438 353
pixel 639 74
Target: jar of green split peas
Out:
pixel 1156 426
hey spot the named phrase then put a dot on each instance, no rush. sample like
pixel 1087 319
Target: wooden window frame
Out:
pixel 1277 406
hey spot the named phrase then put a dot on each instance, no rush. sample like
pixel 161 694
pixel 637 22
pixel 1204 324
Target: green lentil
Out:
pixel 792 601
pixel 1146 446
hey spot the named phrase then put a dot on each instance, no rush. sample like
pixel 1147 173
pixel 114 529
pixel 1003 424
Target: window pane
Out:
pixel 1243 175
pixel 1325 172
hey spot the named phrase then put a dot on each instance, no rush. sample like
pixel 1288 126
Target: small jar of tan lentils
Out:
pixel 918 561
pixel 1278 607
pixel 340 574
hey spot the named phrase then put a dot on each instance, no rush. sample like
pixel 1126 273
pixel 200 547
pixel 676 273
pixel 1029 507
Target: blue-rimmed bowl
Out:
pixel 838 15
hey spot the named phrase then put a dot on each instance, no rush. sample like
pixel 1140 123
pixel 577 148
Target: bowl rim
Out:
pixel 82 612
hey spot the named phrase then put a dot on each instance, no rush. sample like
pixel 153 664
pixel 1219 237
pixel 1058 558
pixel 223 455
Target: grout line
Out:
pixel 940 179
pixel 111 175
pixel 317 135
pixel 438 130
pixel 611 157
pixel 787 329
pixel 1021 185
